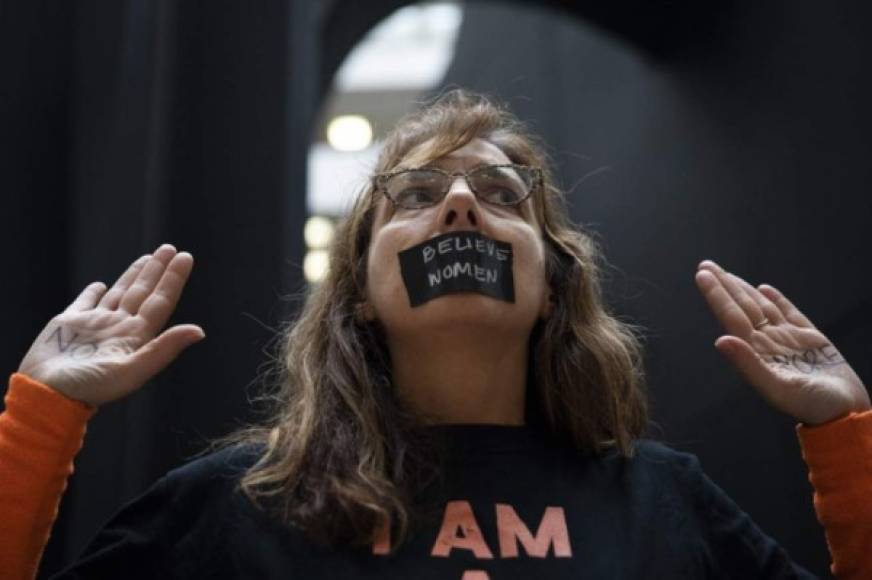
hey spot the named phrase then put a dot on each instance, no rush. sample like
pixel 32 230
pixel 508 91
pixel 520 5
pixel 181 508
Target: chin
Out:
pixel 468 309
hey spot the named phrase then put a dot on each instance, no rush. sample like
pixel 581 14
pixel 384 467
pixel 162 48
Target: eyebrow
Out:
pixel 432 165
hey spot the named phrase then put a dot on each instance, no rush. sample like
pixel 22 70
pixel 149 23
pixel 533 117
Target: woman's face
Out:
pixel 396 229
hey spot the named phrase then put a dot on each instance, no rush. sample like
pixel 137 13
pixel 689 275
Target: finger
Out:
pixel 723 305
pixel 147 279
pixel 158 353
pixel 769 309
pixel 89 296
pixel 752 368
pixel 113 296
pixel 752 311
pixel 788 310
pixel 157 308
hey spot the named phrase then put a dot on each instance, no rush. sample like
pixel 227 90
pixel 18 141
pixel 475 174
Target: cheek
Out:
pixel 530 262
pixel 375 268
pixel 384 278
pixel 533 283
pixel 383 269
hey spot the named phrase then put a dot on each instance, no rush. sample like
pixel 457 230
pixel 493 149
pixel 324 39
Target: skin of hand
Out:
pixel 788 361
pixel 103 346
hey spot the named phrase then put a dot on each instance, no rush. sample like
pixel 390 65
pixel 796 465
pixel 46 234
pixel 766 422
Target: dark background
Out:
pixel 737 132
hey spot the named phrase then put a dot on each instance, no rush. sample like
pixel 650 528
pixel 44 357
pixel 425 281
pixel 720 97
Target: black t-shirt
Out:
pixel 517 505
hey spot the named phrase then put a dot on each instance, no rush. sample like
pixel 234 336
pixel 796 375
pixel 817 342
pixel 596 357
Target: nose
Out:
pixel 460 209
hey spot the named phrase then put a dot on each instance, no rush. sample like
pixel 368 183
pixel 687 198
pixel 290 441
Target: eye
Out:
pixel 415 189
pixel 416 197
pixel 505 196
pixel 500 185
pixel 501 195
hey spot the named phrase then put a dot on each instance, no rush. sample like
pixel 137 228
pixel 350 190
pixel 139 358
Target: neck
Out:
pixel 461 377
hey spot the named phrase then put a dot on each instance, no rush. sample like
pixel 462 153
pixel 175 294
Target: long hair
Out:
pixel 339 455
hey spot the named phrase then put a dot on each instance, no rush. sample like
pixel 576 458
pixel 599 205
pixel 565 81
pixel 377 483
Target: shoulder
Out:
pixel 652 453
pixel 683 466
pixel 208 478
pixel 172 524
pixel 228 462
pixel 658 452
pixel 682 472
pixel 656 462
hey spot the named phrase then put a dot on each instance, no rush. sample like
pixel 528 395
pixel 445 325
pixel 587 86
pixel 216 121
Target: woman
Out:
pixel 454 401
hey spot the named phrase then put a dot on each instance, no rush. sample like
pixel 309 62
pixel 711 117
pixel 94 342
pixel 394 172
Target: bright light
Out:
pixel 318 232
pixel 334 178
pixel 409 50
pixel 315 265
pixel 349 133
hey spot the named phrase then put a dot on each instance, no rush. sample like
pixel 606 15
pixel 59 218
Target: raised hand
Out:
pixel 779 351
pixel 103 346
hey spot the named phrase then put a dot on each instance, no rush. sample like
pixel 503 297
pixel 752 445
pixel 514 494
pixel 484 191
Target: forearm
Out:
pixel 41 431
pixel 839 458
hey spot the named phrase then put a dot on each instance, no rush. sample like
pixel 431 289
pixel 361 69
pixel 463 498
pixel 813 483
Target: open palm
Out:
pixel 779 351
pixel 103 346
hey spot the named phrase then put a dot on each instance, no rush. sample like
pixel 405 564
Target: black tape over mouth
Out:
pixel 458 262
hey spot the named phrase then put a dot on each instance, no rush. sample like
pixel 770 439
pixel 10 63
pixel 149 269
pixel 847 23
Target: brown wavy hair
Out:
pixel 339 456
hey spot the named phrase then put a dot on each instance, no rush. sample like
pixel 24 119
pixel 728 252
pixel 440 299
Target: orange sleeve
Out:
pixel 839 458
pixel 41 431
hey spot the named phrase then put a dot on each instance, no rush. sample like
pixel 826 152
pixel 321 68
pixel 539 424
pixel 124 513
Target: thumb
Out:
pixel 158 353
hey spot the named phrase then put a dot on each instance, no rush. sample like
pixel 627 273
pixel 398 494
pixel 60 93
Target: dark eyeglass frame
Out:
pixel 380 181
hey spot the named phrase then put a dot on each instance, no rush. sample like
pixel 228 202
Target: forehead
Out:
pixel 476 152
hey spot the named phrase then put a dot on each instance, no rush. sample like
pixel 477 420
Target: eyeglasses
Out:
pixel 504 184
